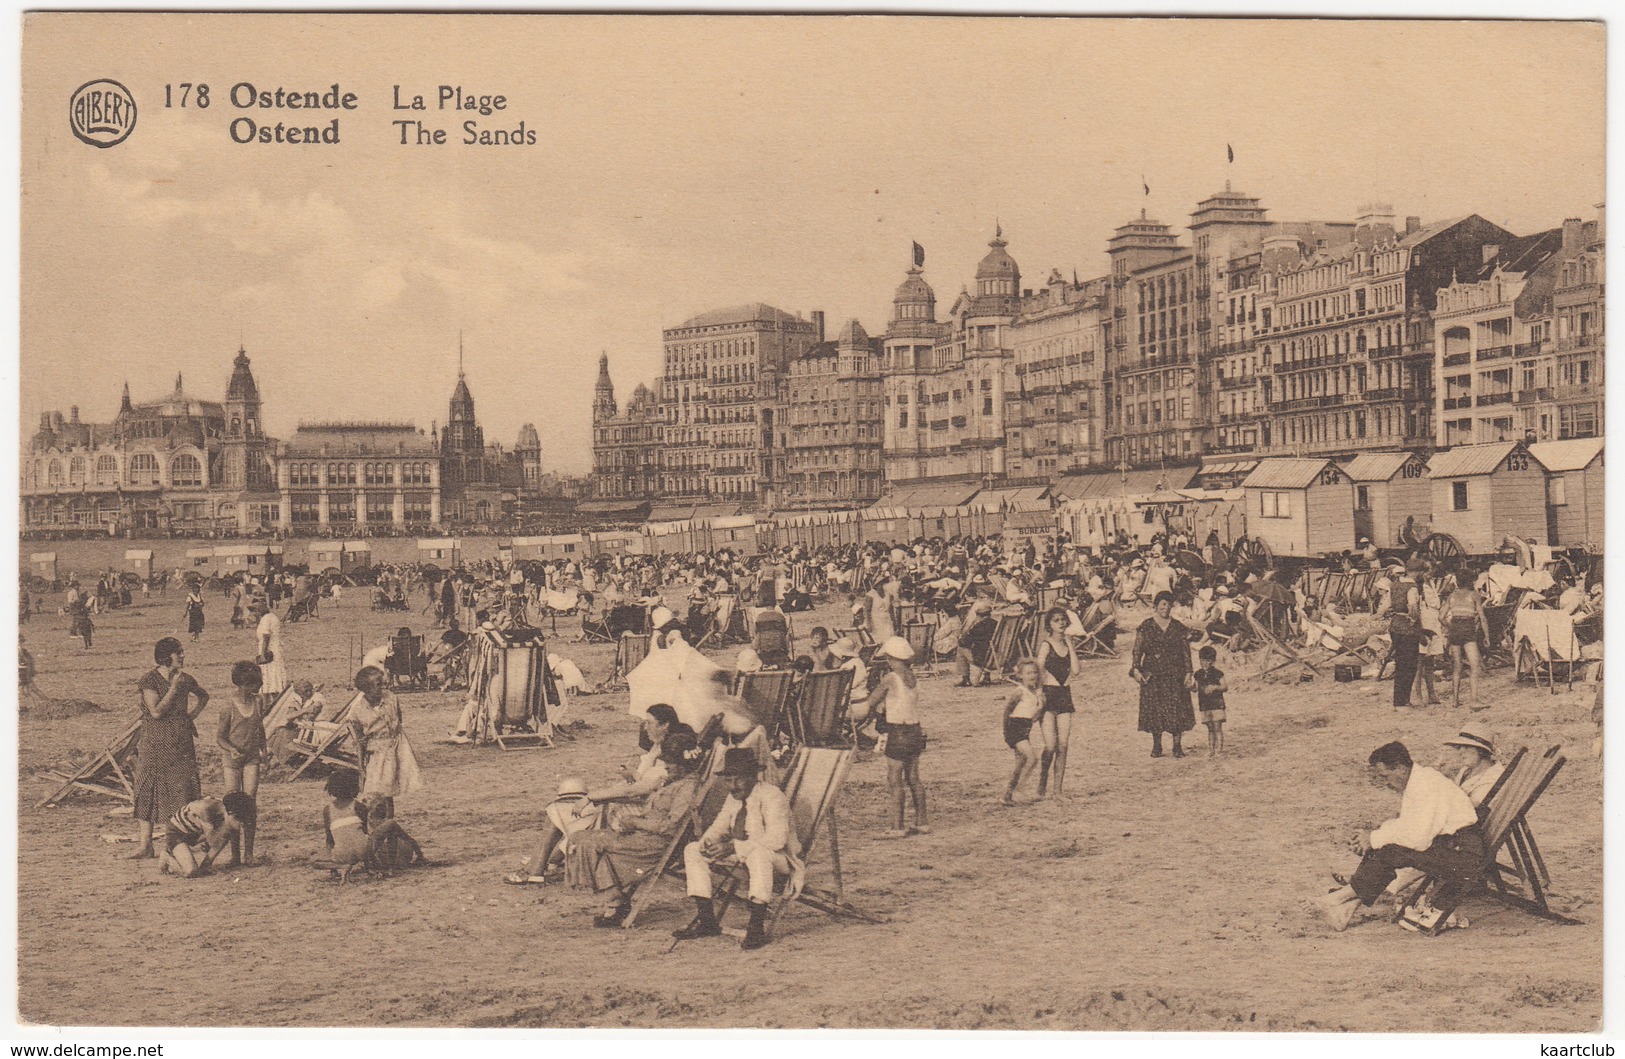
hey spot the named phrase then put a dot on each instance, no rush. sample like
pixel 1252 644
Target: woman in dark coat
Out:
pixel 166 776
pixel 1162 666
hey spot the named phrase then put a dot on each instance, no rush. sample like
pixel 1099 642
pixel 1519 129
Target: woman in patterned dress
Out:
pixel 1162 666
pixel 166 777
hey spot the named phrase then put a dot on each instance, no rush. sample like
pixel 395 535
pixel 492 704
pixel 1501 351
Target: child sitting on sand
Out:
pixel 343 826
pixel 200 830
pixel 1020 710
pixel 388 845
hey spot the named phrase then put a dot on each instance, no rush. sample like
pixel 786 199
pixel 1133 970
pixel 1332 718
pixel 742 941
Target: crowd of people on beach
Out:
pixel 1195 613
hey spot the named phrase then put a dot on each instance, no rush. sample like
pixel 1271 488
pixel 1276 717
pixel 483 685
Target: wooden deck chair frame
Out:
pixel 921 636
pixel 824 694
pixel 324 741
pixel 109 772
pixel 410 669
pixel 813 784
pixel 630 651
pixel 595 631
pixel 1090 645
pixel 451 665
pixel 768 692
pixel 1274 647
pixel 1521 881
pixel 1003 647
pixel 1530 661
pixel 702 809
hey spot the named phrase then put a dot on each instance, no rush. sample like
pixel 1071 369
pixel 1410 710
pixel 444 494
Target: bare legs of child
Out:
pixel 1027 758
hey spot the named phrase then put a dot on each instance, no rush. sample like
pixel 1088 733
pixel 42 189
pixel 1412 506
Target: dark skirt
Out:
pixel 1165 705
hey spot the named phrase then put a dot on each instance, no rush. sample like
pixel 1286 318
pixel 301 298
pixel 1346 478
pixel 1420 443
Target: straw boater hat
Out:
pixel 740 761
pixel 897 648
pixel 572 787
pixel 845 647
pixel 1473 740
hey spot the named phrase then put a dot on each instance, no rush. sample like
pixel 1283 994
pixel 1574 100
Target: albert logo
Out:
pixel 102 113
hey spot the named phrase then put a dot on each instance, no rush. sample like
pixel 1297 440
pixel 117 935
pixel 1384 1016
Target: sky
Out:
pixel 683 164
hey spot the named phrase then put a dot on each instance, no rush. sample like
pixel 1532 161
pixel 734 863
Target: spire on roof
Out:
pixel 177 382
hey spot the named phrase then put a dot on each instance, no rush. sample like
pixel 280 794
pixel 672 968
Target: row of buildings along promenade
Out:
pixel 1244 336
pixel 184 464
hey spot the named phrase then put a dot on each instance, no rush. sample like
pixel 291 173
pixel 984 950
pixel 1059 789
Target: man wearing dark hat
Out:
pixel 752 828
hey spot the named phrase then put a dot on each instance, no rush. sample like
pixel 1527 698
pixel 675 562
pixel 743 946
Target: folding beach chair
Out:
pixel 1498 647
pixel 1274 647
pixel 1090 644
pixel 1522 880
pixel 595 623
pixel 630 652
pixel 110 772
pixel 1005 645
pixel 1547 647
pixel 519 692
pixel 813 784
pixel 822 715
pixel 770 638
pixel 449 671
pixel 406 665
pixel 921 636
pixel 329 742
pixel 702 809
pixel 766 696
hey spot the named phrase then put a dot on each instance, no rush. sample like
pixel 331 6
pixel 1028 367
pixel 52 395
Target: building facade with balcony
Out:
pixel 1052 389
pixel 1573 344
pixel 1350 346
pixel 1488 325
pixel 720 389
pixel 352 478
pixel 945 382
pixel 627 446
pixel 832 420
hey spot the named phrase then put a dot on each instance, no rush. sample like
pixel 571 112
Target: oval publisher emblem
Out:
pixel 102 113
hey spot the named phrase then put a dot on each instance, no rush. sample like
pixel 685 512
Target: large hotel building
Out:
pixel 1250 337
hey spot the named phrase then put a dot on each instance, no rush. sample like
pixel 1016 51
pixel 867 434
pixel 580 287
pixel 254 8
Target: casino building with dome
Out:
pixel 187 465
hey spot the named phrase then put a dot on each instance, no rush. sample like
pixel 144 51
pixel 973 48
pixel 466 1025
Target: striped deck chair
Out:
pixel 766 695
pixel 702 809
pixel 822 715
pixel 1275 647
pixel 921 636
pixel 630 651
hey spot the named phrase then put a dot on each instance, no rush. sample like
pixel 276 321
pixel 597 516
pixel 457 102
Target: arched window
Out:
pixel 76 471
pixel 106 470
pixel 185 469
pixel 143 469
pixel 53 473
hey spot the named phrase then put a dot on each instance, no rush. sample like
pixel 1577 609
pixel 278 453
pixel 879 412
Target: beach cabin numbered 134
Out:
pixel 1301 508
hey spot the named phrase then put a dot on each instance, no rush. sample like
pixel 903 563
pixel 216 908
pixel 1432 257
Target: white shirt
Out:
pixel 270 627
pixel 1431 806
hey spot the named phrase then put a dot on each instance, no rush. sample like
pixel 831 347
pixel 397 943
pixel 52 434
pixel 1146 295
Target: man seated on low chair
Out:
pixel 1437 831
pixel 752 828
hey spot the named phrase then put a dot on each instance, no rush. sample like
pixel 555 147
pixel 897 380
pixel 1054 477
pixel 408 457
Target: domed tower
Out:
pixel 852 350
pixel 915 301
pixel 998 280
pixel 603 393
pixel 529 451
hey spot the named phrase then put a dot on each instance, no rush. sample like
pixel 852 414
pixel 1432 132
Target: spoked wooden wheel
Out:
pixel 1252 551
pixel 1442 548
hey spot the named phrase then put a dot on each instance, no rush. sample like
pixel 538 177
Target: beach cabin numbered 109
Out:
pixel 1392 498
pixel 1301 508
pixel 1484 493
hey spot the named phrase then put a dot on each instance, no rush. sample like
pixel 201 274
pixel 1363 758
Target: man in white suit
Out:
pixel 752 828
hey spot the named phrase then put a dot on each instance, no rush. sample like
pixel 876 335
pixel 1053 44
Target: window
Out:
pixel 53 473
pixel 76 471
pixel 143 469
pixel 1458 496
pixel 1275 504
pixel 1362 498
pixel 106 470
pixel 1557 491
pixel 185 470
pixel 902 418
pixel 987 406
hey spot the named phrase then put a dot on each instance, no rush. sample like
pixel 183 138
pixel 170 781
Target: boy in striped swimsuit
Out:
pixel 199 830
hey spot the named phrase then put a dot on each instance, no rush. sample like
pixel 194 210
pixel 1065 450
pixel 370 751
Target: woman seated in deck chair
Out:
pixel 608 860
pixel 576 809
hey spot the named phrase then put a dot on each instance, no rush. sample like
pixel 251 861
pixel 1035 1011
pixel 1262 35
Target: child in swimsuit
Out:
pixel 344 827
pixel 1021 709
